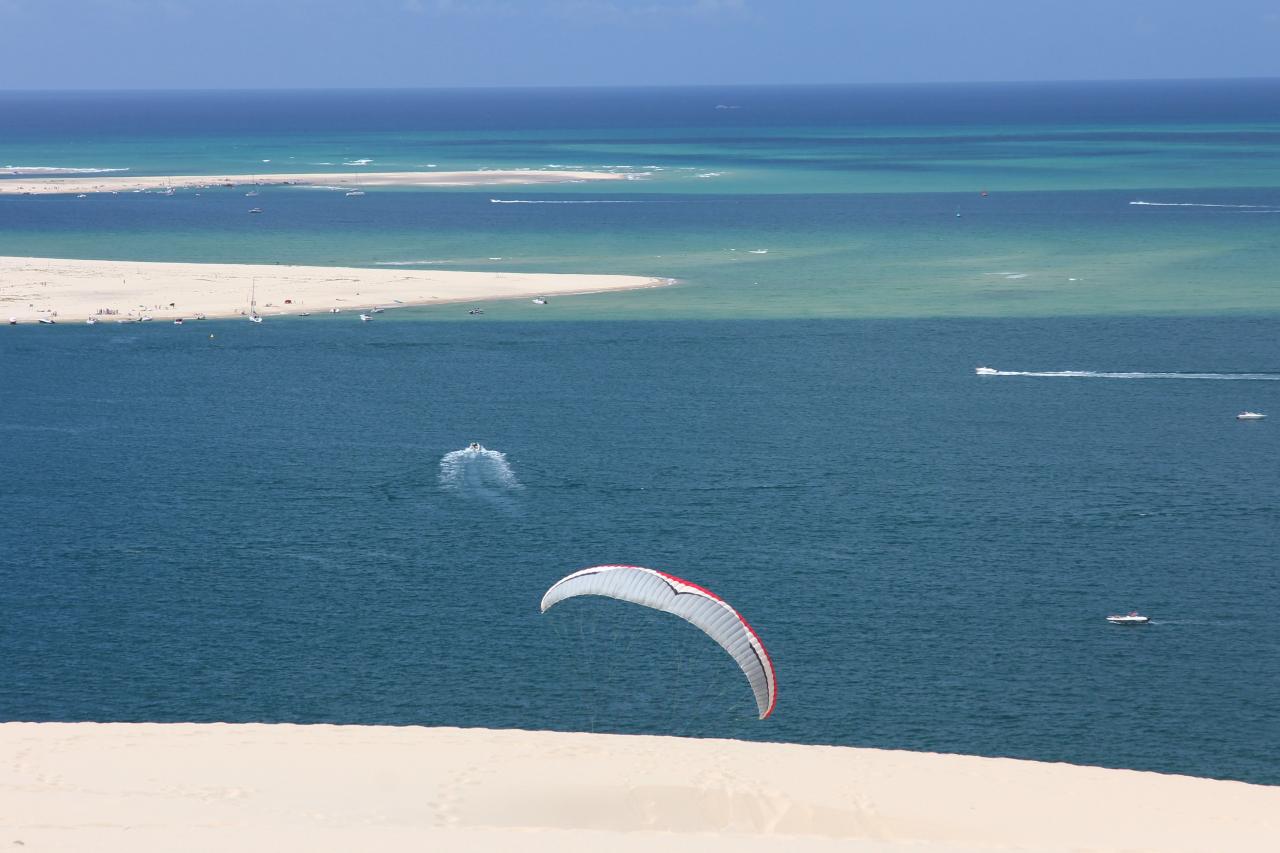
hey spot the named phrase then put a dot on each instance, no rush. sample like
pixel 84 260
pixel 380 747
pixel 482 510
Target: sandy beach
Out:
pixel 25 185
pixel 142 787
pixel 65 291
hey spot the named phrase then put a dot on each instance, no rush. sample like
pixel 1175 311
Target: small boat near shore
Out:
pixel 1250 416
pixel 1133 617
pixel 365 318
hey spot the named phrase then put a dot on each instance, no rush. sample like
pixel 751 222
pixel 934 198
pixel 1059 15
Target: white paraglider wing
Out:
pixel 697 606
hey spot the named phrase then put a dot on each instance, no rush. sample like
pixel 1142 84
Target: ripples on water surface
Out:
pixel 255 527
pixel 277 524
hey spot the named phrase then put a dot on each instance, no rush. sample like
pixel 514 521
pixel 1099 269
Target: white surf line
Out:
pixel 569 201
pixel 43 185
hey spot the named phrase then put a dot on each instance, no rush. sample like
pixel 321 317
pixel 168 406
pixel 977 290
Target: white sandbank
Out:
pixel 134 183
pixel 218 787
pixel 70 291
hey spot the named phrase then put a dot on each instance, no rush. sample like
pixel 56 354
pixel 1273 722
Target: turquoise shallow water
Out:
pixel 254 526
pixel 853 192
pixel 828 255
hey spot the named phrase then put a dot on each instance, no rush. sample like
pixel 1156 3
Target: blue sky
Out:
pixel 411 43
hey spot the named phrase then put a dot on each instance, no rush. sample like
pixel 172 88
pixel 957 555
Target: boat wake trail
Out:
pixel 1202 204
pixel 1095 374
pixel 480 473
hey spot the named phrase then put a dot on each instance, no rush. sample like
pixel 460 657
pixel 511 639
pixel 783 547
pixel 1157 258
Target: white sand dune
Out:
pixel 150 787
pixel 74 290
pixel 130 183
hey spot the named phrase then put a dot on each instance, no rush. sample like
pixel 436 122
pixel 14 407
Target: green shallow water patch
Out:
pixel 824 255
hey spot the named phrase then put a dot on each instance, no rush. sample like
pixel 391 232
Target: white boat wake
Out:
pixel 477 471
pixel 1200 204
pixel 1095 374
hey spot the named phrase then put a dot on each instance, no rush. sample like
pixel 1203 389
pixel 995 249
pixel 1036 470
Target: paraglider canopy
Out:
pixel 698 606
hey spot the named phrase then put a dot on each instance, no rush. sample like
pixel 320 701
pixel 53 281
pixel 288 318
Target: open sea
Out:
pixel 230 522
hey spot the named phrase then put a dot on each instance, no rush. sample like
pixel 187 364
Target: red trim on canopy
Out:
pixel 773 676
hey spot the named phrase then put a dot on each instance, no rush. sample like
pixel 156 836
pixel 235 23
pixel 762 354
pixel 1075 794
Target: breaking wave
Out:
pixel 54 170
pixel 574 201
pixel 405 263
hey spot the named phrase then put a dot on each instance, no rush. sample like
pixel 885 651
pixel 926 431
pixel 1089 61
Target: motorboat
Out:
pixel 1250 416
pixel 476 311
pixel 355 192
pixel 254 318
pixel 539 301
pixel 255 210
pixel 92 321
pixel 251 194
pixel 376 310
pixel 475 445
pixel 305 314
pixel 985 371
pixel 177 322
pixel 364 318
pixel 145 318
pixel 47 321
pixel 1133 617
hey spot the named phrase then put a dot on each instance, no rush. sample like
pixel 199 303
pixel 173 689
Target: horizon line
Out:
pixel 634 86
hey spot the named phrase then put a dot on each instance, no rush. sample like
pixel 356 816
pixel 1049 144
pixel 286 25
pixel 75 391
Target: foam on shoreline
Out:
pixel 133 183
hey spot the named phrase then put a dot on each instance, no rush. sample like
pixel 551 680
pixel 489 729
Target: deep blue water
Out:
pixel 251 527
pixel 183 113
